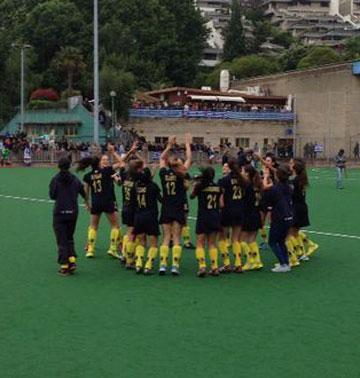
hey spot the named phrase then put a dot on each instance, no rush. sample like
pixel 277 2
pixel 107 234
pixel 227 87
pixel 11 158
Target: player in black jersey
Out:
pixel 252 218
pixel 298 239
pixel 269 166
pixel 279 199
pixel 173 216
pixel 126 179
pixel 146 220
pixel 232 214
pixel 99 182
pixel 186 233
pixel 224 236
pixel 208 223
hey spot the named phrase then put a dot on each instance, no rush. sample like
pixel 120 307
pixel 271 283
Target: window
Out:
pixel 198 140
pixel 224 141
pixel 161 140
pixel 70 131
pixel 266 141
pixel 242 142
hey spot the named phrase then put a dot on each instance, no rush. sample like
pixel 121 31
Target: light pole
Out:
pixel 22 47
pixel 96 72
pixel 113 118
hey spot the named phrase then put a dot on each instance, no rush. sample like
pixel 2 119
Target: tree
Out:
pixel 235 44
pixel 352 49
pixel 113 78
pixel 51 25
pixel 254 65
pixel 291 57
pixel 319 56
pixel 69 60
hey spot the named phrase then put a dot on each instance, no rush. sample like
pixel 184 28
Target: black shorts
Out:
pixel 109 208
pixel 208 225
pixel 301 215
pixel 252 222
pixel 146 224
pixel 127 216
pixel 232 217
pixel 169 215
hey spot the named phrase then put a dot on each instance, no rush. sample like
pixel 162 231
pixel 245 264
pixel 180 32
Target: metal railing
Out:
pixel 231 115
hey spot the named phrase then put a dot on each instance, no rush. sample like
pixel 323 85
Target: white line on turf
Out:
pixel 322 233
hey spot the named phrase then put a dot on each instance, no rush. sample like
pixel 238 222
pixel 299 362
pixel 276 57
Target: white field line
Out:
pixel 322 233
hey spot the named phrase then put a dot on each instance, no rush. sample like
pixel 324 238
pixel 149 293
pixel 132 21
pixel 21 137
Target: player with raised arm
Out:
pixel 173 215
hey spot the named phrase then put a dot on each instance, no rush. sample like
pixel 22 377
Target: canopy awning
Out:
pixel 218 98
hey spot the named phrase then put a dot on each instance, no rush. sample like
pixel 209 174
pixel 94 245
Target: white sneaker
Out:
pixel 162 270
pixel 281 268
pixel 175 271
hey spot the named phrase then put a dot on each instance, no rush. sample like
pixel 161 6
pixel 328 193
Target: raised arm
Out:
pixel 164 154
pixel 188 162
pixel 131 152
pixel 119 161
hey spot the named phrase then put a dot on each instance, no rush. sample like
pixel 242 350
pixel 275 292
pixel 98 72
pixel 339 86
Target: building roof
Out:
pixel 248 98
pixel 79 116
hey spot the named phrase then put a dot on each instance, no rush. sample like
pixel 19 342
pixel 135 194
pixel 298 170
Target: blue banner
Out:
pixel 252 115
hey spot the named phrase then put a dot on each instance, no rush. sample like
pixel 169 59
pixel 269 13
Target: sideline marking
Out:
pixel 322 233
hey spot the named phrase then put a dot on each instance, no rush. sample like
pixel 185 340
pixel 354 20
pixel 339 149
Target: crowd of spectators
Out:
pixel 209 106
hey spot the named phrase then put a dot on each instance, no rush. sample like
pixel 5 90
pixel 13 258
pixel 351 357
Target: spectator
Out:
pixel 340 161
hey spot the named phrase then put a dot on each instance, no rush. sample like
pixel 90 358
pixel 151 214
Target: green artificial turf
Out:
pixel 108 322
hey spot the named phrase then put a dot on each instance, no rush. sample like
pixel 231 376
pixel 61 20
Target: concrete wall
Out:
pixel 327 104
pixel 213 130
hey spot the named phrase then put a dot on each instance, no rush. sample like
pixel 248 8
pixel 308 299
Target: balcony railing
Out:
pixel 231 115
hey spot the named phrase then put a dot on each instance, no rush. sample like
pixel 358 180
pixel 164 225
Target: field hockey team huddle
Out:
pixel 230 212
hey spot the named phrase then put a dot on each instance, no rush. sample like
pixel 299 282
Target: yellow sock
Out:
pixel 254 248
pixel 295 244
pixel 164 253
pixel 186 234
pixel 124 242
pixel 114 236
pixel 137 240
pixel 152 253
pixel 64 266
pixel 245 249
pixel 139 256
pixel 263 234
pixel 301 246
pixel 176 255
pixel 130 250
pixel 91 239
pixel 293 260
pixel 200 256
pixel 224 251
pixel 213 252
pixel 72 259
pixel 236 247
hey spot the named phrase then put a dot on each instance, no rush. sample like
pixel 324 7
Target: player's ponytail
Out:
pixel 254 177
pixel 84 163
pixel 236 172
pixel 283 173
pixel 301 174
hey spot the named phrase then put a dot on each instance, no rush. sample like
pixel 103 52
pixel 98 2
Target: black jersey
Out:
pixel 233 191
pixel 101 185
pixel 252 199
pixel 279 198
pixel 127 183
pixel 208 217
pixel 209 200
pixel 147 197
pixel 173 188
pixel 299 195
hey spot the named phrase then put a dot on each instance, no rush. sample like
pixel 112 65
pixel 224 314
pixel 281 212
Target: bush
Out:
pixel 44 105
pixel 48 94
pixel 66 94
